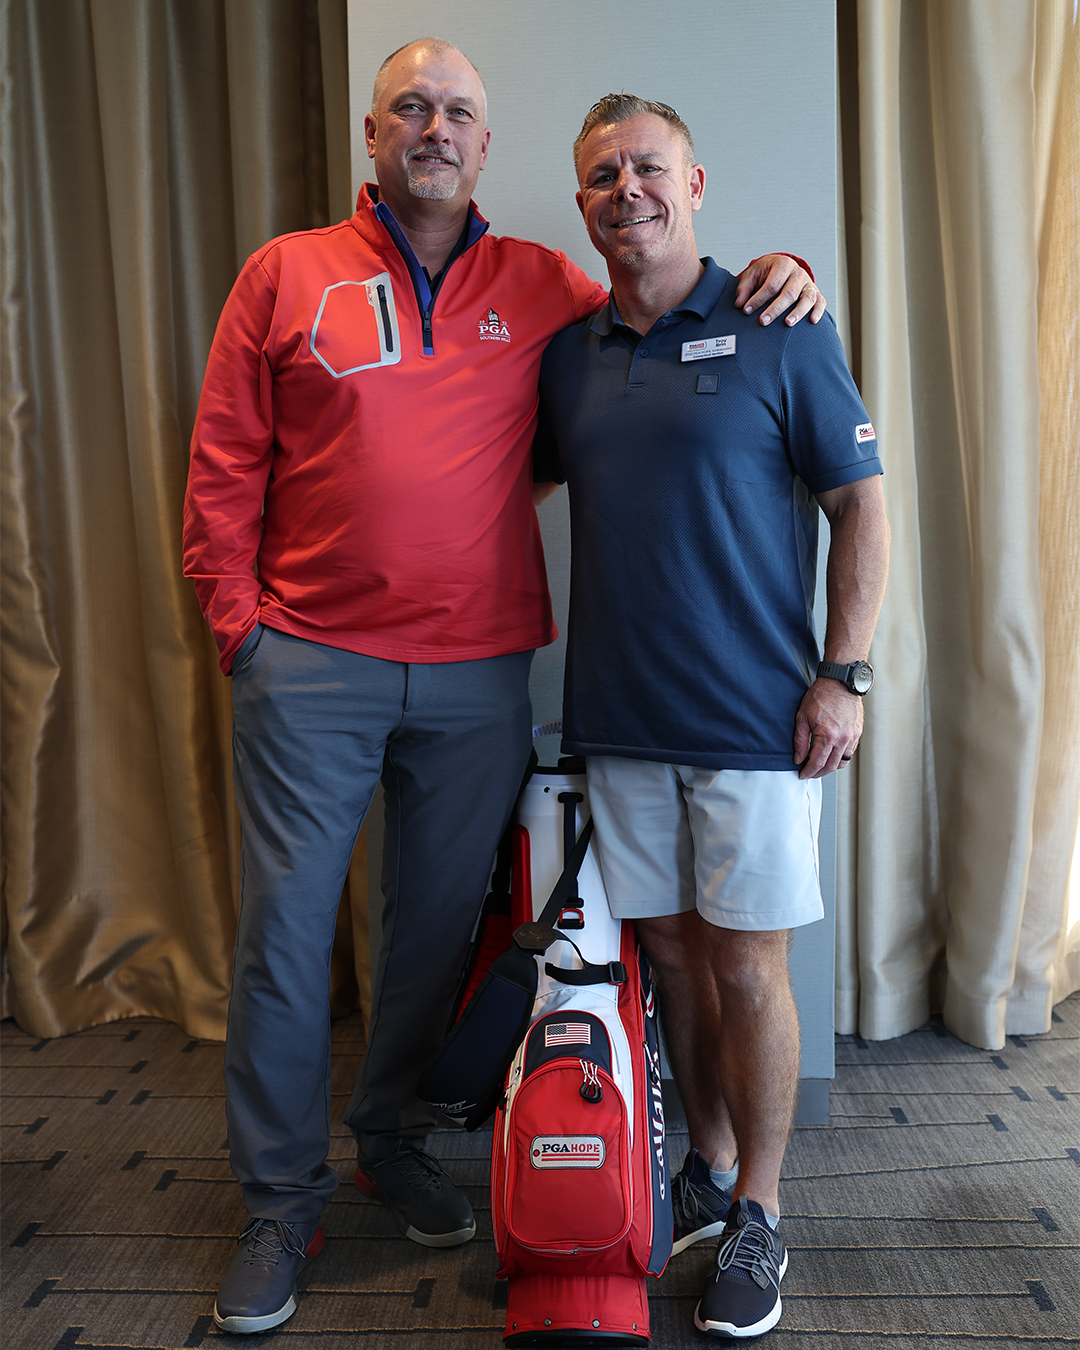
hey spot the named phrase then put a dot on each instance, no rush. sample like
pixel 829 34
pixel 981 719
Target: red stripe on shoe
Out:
pixel 366 1186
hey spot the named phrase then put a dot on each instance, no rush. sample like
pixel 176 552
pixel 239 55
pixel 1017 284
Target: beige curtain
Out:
pixel 961 130
pixel 148 147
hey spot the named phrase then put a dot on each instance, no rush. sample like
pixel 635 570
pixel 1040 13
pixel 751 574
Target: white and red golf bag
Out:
pixel 580 1193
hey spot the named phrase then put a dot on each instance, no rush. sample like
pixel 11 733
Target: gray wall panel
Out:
pixel 755 81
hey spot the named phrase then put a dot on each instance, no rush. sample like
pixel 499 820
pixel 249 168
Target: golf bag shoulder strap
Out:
pixel 611 972
pixel 538 936
pixel 465 1077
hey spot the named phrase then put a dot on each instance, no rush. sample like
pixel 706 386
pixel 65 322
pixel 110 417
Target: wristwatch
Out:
pixel 859 677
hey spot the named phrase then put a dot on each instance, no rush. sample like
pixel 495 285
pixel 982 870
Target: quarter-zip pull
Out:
pixel 425 290
pixel 388 332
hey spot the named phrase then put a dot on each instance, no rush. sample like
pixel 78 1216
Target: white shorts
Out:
pixel 740 845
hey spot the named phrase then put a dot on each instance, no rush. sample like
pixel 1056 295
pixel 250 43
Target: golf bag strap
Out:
pixel 565 883
pixel 611 972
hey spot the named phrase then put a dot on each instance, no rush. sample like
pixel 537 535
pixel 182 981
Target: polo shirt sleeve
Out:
pixel 828 431
pixel 547 466
pixel 231 453
pixel 586 296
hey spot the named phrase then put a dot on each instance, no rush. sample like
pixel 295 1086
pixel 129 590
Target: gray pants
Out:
pixel 314 730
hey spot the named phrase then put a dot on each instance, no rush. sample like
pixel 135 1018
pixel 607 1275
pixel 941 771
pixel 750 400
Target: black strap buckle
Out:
pixel 611 972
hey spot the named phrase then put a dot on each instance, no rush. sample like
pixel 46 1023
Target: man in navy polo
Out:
pixel 698 446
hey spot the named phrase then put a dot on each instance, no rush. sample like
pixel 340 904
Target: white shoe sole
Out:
pixel 729 1329
pixel 698 1235
pixel 439 1239
pixel 246 1325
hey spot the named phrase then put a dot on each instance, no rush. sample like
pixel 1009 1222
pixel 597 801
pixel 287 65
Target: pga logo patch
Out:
pixel 865 433
pixel 492 328
pixel 549 1151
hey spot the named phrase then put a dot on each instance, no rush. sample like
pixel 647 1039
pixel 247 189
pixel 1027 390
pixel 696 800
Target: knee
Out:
pixel 753 968
pixel 673 945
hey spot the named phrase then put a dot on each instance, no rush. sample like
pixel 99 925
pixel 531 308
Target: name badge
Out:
pixel 708 347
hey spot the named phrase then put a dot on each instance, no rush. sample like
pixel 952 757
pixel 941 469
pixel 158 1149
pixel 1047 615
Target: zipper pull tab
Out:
pixel 591 1090
pixel 388 332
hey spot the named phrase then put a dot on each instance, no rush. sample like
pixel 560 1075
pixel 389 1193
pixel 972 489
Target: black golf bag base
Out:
pixel 578 1310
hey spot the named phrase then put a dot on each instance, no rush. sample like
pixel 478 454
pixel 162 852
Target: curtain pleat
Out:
pixel 955 833
pixel 147 148
pixel 895 882
pixel 1048 955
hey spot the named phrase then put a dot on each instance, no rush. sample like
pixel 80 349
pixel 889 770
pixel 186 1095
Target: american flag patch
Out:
pixel 567 1033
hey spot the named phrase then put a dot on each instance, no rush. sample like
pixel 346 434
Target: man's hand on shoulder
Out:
pixel 827 728
pixel 783 285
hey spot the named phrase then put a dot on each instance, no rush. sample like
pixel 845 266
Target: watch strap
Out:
pixel 835 670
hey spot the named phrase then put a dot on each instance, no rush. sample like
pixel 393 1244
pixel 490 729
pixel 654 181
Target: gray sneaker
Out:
pixel 428 1207
pixel 259 1287
pixel 701 1207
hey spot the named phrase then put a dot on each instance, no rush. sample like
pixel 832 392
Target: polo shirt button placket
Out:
pixel 636 379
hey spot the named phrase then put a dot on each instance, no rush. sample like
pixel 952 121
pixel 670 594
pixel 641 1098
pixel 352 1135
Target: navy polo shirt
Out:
pixel 693 523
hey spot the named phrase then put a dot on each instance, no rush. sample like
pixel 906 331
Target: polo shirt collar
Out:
pixel 701 301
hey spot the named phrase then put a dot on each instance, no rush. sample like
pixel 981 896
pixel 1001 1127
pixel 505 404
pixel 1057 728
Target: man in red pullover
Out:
pixel 360 530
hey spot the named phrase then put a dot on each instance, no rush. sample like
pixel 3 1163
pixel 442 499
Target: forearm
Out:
pixel 231 456
pixel 830 718
pixel 222 532
pixel 856 571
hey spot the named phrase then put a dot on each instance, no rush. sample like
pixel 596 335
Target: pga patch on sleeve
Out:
pixel 865 433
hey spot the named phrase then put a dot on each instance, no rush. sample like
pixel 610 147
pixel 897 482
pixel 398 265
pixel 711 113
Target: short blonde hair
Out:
pixel 620 108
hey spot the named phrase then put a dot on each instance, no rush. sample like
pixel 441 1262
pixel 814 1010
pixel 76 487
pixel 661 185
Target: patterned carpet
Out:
pixel 939 1206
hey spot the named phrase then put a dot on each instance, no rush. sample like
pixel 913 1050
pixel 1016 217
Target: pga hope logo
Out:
pixel 567 1150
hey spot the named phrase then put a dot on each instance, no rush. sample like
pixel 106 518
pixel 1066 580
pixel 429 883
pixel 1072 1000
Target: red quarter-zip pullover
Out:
pixel 347 487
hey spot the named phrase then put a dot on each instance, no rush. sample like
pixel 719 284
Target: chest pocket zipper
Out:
pixel 388 332
pixel 345 342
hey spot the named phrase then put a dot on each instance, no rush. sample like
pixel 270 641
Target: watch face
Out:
pixel 862 677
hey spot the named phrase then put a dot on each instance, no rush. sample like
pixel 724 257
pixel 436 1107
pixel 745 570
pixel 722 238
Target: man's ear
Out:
pixel 697 186
pixel 484 146
pixel 370 127
pixel 580 204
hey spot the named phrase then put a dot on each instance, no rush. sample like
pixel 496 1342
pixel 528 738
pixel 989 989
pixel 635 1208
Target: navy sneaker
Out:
pixel 743 1297
pixel 259 1288
pixel 701 1207
pixel 428 1207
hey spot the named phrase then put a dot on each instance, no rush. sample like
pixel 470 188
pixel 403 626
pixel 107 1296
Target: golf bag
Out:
pixel 580 1193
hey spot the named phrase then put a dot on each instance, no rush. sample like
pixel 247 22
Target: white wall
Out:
pixel 755 81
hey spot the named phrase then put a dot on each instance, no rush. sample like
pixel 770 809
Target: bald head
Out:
pixel 427 130
pixel 416 54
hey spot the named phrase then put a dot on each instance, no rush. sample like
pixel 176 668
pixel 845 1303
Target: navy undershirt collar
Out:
pixel 701 301
pixel 475 227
